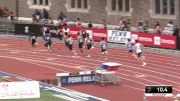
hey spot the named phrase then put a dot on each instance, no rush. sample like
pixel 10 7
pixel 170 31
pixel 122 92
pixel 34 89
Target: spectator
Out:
pixel 156 24
pixel 45 16
pixel 62 18
pixel 146 26
pixel 140 27
pixel 122 24
pixel 127 25
pixel 104 23
pixel 12 16
pixel 158 30
pixel 36 15
pixel 78 23
pixel 90 24
pixel 176 31
pixel 168 29
pixel 5 12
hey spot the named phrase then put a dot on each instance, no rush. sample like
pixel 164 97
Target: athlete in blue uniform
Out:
pixel 129 46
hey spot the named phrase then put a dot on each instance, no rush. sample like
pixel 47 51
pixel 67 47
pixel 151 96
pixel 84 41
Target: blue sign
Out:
pixel 77 79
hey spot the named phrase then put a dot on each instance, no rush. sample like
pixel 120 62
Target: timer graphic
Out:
pixel 158 90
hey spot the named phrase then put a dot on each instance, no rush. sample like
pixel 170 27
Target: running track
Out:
pixel 18 57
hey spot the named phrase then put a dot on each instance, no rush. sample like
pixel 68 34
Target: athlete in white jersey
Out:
pixel 138 49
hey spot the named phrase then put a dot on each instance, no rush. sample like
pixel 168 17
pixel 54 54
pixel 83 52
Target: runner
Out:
pixel 80 41
pixel 33 37
pixel 89 44
pixel 103 45
pixel 83 33
pixel 43 31
pixel 129 46
pixel 138 48
pixel 70 44
pixel 65 36
pixel 59 33
pixel 48 41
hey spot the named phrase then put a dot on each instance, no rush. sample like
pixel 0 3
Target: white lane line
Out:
pixel 86 69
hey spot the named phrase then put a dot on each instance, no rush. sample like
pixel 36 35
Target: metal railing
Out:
pixel 6 26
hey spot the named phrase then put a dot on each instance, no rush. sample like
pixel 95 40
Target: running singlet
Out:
pixel 89 41
pixel 44 29
pixel 33 37
pixel 47 38
pixel 129 45
pixel 138 47
pixel 80 39
pixel 103 44
pixel 70 41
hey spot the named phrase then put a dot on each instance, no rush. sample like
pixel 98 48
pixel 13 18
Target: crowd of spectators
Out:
pixel 41 16
pixel 168 29
pixel 6 13
pixel 44 17
pixel 124 23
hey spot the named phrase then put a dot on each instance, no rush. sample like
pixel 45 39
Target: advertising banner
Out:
pixel 19 90
pixel 117 36
pixel 77 79
pixel 153 40
pixel 95 34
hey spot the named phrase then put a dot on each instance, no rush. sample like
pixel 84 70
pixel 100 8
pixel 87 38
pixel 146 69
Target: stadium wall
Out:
pixel 10 4
pixel 98 10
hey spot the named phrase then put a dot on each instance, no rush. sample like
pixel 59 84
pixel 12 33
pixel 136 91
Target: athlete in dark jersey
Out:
pixel 48 41
pixel 33 40
pixel 103 47
pixel 70 44
pixel 80 41
pixel 59 33
pixel 89 44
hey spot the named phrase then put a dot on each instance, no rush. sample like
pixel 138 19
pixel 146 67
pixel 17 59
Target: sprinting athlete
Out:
pixel 83 33
pixel 59 33
pixel 70 44
pixel 43 31
pixel 129 46
pixel 33 40
pixel 48 41
pixel 89 45
pixel 138 49
pixel 103 46
pixel 80 40
pixel 66 36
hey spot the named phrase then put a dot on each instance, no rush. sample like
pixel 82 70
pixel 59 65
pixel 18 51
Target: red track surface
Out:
pixel 18 57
